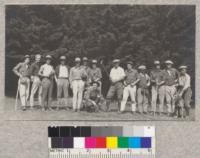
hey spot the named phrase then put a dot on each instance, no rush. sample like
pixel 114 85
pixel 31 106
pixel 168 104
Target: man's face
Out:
pixel 62 62
pixel 157 66
pixel 48 61
pixel 169 66
pixel 94 65
pixel 38 60
pixel 27 60
pixel 116 64
pixel 183 71
pixel 95 85
pixel 129 66
pixel 85 63
pixel 77 63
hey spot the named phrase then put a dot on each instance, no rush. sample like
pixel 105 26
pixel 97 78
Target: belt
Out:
pixel 63 78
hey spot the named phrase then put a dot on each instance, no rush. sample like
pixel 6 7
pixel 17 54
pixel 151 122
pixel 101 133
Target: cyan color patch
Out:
pixel 134 142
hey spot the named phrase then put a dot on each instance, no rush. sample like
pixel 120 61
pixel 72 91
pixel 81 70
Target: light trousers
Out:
pixel 47 89
pixel 142 98
pixel 24 91
pixel 170 92
pixel 36 86
pixel 129 91
pixel 157 93
pixel 77 88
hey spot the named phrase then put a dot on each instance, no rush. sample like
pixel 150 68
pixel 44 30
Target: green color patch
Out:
pixel 123 142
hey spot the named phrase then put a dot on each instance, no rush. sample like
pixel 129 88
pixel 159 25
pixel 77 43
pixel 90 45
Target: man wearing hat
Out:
pixel 22 71
pixel 77 74
pixel 87 70
pixel 130 82
pixel 36 85
pixel 47 73
pixel 157 87
pixel 142 91
pixel 117 76
pixel 95 73
pixel 62 80
pixel 184 84
pixel 171 78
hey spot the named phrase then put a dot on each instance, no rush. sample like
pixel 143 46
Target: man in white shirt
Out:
pixel 117 75
pixel 184 84
pixel 62 80
pixel 47 72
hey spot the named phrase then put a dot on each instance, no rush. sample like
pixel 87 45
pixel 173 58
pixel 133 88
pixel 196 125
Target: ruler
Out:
pixel 119 142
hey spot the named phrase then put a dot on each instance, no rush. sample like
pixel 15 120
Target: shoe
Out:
pixel 23 108
pixel 31 108
pixel 120 112
pixel 133 112
pixel 145 113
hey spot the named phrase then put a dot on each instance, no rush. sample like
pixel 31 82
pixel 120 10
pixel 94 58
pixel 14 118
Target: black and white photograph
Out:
pixel 100 62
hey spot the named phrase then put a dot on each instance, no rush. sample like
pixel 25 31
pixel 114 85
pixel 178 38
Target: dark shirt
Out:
pixel 34 69
pixel 171 76
pixel 131 76
pixel 144 80
pixel 22 69
pixel 157 76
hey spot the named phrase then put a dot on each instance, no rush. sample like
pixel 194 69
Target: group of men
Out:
pixel 160 86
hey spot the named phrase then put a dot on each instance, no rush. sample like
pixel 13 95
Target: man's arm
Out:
pixel 40 72
pixel 16 68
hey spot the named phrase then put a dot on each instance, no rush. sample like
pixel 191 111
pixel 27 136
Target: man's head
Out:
pixel 85 61
pixel 142 68
pixel 94 63
pixel 62 60
pixel 37 58
pixel 77 61
pixel 168 64
pixel 157 64
pixel 116 62
pixel 27 59
pixel 183 69
pixel 129 65
pixel 48 59
pixel 95 84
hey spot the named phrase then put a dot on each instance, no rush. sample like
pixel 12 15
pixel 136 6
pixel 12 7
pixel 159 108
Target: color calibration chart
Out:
pixel 101 142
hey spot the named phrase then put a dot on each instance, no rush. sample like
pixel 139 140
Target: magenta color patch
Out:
pixel 90 142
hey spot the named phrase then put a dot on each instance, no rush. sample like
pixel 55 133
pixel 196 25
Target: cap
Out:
pixel 168 62
pixel 156 62
pixel 142 67
pixel 63 58
pixel 116 61
pixel 77 59
pixel 85 59
pixel 129 62
pixel 37 56
pixel 26 56
pixel 183 67
pixel 94 61
pixel 48 57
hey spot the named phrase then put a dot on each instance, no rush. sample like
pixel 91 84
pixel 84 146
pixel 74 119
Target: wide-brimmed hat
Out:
pixel 129 62
pixel 156 62
pixel 182 67
pixel 26 56
pixel 62 57
pixel 94 61
pixel 77 59
pixel 38 56
pixel 85 59
pixel 169 62
pixel 48 57
pixel 142 67
pixel 116 61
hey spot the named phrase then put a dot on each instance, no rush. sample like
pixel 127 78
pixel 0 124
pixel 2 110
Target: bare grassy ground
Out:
pixel 63 114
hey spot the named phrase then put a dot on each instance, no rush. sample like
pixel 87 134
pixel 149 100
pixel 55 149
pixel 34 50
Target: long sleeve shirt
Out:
pixel 184 81
pixel 21 69
pixel 34 69
pixel 95 74
pixel 171 76
pixel 117 74
pixel 46 70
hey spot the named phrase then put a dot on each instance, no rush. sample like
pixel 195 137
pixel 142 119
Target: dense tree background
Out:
pixel 141 33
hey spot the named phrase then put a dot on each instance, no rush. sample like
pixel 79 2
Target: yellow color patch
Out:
pixel 111 142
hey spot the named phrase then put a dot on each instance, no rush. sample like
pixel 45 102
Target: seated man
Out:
pixel 92 98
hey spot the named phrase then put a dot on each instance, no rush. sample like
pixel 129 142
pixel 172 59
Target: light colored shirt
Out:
pixel 117 74
pixel 46 70
pixel 184 81
pixel 21 69
pixel 96 74
pixel 76 73
pixel 63 71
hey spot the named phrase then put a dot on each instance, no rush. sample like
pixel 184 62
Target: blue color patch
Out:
pixel 134 142
pixel 146 142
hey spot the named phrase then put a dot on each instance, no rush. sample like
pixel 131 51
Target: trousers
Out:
pixel 129 91
pixel 142 98
pixel 157 93
pixel 23 89
pixel 77 88
pixel 47 89
pixel 170 92
pixel 36 86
